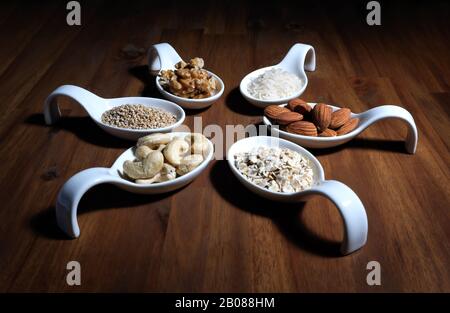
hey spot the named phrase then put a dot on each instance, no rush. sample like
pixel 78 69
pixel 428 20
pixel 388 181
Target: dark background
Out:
pixel 213 235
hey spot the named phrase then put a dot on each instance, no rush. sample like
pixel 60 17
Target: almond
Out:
pixel 302 128
pixel 299 106
pixel 339 117
pixel 272 111
pixel 288 117
pixel 322 115
pixel 328 133
pixel 348 127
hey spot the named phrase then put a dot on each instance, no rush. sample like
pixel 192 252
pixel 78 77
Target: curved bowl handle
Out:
pixel 351 210
pixel 85 98
pixel 71 193
pixel 162 56
pixel 299 58
pixel 393 111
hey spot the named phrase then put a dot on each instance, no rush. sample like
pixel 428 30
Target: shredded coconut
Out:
pixel 274 84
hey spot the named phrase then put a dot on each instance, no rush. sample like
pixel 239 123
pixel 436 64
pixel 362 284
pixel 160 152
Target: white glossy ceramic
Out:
pixel 366 119
pixel 347 202
pixel 95 106
pixel 73 190
pixel 163 56
pixel 299 58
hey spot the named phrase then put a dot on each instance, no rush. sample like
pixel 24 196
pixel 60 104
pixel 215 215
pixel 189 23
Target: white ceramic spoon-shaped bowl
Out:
pixel 347 202
pixel 163 56
pixel 95 106
pixel 366 119
pixel 73 190
pixel 299 58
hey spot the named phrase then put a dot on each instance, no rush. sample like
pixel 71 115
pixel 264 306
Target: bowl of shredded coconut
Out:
pixel 282 82
pixel 274 84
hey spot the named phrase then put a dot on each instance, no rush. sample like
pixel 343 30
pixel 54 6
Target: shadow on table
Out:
pixel 100 197
pixel 365 144
pixel 82 127
pixel 237 103
pixel 142 73
pixel 287 216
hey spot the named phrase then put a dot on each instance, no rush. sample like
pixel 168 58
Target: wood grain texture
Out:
pixel 213 235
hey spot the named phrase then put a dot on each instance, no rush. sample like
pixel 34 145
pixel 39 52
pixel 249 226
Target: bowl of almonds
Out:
pixel 319 125
pixel 313 125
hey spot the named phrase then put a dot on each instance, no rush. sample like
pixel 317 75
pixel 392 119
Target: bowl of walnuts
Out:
pixel 186 83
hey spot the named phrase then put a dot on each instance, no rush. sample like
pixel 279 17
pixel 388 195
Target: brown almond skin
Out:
pixel 339 118
pixel 272 111
pixel 302 128
pixel 299 106
pixel 348 127
pixel 322 116
pixel 328 133
pixel 286 118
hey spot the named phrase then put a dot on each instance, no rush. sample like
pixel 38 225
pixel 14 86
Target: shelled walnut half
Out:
pixel 189 80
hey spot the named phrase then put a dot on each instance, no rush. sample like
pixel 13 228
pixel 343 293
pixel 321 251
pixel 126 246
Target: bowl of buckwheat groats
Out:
pixel 141 116
pixel 126 117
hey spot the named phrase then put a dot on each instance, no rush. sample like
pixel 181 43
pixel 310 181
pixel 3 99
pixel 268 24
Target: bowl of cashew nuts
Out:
pixel 165 157
pixel 159 163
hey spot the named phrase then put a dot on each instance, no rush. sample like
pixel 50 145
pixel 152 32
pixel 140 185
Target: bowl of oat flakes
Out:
pixel 280 170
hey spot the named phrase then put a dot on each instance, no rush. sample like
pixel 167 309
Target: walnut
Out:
pixel 200 74
pixel 183 73
pixel 187 83
pixel 180 65
pixel 197 63
pixel 202 85
pixel 165 77
pixel 212 83
pixel 175 86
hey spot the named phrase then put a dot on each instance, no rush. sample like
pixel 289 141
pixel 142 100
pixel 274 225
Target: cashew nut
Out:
pixel 154 140
pixel 188 163
pixel 161 148
pixel 147 168
pixel 134 170
pixel 142 151
pixel 153 163
pixel 168 172
pixel 154 179
pixel 199 143
pixel 175 150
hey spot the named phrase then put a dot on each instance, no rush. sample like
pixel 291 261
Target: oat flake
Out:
pixel 276 169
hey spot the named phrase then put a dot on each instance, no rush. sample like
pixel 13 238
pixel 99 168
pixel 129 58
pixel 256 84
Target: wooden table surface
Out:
pixel 214 235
